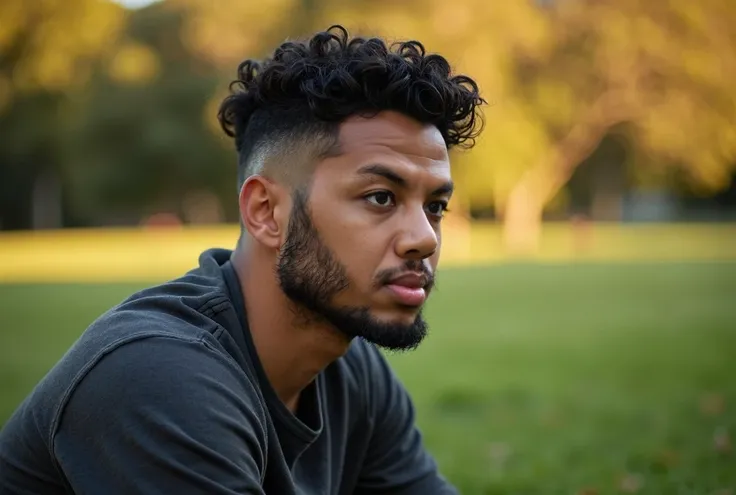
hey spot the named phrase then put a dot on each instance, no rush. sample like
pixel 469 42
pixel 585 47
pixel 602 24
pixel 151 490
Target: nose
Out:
pixel 418 239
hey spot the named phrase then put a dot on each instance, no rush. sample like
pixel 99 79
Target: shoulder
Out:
pixel 162 377
pixel 171 313
pixel 156 314
pixel 162 365
pixel 163 411
pixel 159 342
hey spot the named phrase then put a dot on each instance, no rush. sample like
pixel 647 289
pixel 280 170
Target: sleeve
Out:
pixel 396 460
pixel 163 415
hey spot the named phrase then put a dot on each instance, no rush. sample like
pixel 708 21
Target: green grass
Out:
pixel 535 379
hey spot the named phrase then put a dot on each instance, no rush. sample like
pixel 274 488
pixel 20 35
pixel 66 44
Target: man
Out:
pixel 245 375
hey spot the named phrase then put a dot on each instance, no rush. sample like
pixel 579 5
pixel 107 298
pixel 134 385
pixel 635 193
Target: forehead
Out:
pixel 393 130
pixel 392 139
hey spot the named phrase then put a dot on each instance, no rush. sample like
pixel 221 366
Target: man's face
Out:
pixel 362 249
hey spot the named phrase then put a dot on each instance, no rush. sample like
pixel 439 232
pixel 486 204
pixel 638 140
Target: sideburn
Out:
pixel 307 271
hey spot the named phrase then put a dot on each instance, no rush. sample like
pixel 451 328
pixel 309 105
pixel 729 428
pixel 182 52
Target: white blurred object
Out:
pixel 135 4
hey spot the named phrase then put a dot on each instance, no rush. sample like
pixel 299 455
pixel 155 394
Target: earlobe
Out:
pixel 260 210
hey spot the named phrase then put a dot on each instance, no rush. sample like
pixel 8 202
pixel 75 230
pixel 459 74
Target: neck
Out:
pixel 292 351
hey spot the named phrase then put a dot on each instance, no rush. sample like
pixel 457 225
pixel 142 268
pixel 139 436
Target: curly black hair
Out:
pixel 308 88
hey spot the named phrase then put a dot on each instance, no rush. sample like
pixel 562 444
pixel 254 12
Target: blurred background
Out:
pixel 584 332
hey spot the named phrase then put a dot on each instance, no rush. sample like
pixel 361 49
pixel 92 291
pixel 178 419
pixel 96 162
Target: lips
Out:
pixel 410 280
pixel 409 289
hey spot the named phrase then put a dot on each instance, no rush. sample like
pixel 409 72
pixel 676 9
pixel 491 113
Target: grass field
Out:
pixel 536 379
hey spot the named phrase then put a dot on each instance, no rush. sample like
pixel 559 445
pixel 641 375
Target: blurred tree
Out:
pixel 659 71
pixel 561 75
pixel 47 48
pixel 49 44
pixel 225 36
pixel 139 144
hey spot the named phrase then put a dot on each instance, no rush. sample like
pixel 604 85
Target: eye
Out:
pixel 437 208
pixel 381 198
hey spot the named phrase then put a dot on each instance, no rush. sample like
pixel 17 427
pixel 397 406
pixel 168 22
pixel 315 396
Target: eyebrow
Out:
pixel 390 175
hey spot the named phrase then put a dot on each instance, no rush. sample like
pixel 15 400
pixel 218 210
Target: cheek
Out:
pixel 357 244
pixel 359 249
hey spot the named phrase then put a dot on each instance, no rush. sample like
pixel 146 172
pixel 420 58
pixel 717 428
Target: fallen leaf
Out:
pixel 499 453
pixel 667 459
pixel 712 404
pixel 551 419
pixel 631 483
pixel 722 441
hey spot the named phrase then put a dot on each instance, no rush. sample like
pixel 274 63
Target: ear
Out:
pixel 264 211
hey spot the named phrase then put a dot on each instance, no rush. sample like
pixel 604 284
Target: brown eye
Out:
pixel 437 208
pixel 381 198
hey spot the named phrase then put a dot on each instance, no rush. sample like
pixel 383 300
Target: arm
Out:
pixel 397 461
pixel 162 415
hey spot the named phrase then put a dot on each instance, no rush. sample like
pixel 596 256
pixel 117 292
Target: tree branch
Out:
pixel 611 108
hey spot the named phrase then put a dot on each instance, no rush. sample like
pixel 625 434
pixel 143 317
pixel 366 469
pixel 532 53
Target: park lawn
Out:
pixel 536 379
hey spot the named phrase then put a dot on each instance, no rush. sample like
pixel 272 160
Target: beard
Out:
pixel 311 276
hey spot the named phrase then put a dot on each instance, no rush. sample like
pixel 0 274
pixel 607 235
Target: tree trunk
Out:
pixel 522 220
pixel 46 200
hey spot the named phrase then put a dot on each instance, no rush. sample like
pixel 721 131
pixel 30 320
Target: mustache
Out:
pixel 415 266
